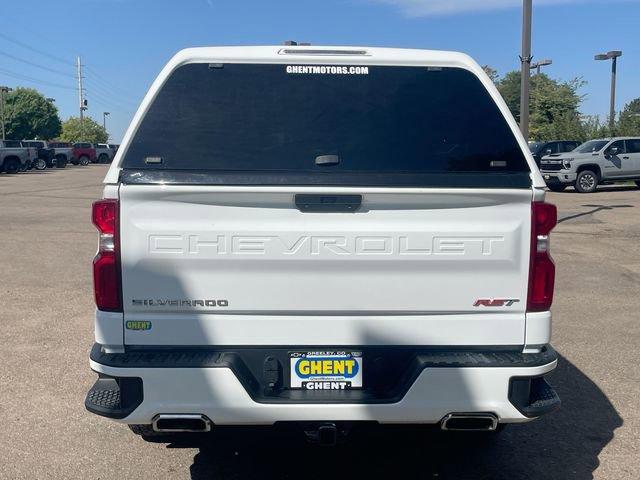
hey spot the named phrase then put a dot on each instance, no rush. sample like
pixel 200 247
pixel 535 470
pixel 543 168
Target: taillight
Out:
pixel 106 264
pixel 542 271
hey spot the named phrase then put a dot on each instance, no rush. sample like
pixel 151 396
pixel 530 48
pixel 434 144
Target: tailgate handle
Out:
pixel 328 203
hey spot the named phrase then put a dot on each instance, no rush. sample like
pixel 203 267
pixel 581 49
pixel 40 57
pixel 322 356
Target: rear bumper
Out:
pixel 135 387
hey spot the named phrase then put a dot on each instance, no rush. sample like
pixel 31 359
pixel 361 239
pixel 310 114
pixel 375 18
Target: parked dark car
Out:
pixel 44 153
pixel 542 149
pixel 83 154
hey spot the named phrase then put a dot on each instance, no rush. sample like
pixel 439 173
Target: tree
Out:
pixel 90 131
pixel 509 87
pixel 554 105
pixel 30 115
pixel 593 127
pixel 629 124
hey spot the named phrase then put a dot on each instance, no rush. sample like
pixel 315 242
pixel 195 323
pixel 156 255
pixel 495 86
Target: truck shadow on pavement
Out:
pixel 563 445
pixel 603 189
pixel 615 188
pixel 594 209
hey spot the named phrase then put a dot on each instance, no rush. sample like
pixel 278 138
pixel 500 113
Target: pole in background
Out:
pixel 81 100
pixel 525 59
pixel 613 56
pixel 3 90
pixel 104 119
pixel 612 106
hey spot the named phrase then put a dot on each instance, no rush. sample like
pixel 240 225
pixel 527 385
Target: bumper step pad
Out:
pixel 543 397
pixel 533 397
pixel 114 397
pixel 107 398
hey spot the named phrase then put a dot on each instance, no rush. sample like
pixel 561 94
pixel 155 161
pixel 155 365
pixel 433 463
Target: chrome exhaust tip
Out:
pixel 469 422
pixel 181 422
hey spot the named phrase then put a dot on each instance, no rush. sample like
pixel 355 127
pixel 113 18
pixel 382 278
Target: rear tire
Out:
pixel 41 164
pixel 61 161
pixel 12 166
pixel 144 430
pixel 488 434
pixel 587 181
pixel 148 434
pixel 84 161
pixel 557 187
pixel 103 158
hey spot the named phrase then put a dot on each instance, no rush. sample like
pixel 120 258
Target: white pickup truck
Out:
pixel 104 152
pixel 322 235
pixel 14 157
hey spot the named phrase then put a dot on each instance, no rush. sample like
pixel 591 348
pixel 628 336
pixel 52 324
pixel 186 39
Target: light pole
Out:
pixel 525 58
pixel 3 90
pixel 104 122
pixel 612 55
pixel 541 63
pixel 83 109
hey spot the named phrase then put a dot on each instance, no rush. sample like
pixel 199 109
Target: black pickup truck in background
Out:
pixel 45 154
pixel 542 149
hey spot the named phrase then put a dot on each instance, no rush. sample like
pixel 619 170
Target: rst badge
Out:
pixel 326 370
pixel 496 302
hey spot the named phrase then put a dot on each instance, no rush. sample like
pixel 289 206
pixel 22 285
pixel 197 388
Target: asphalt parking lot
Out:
pixel 46 330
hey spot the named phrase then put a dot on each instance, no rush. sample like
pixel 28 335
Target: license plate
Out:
pixel 328 370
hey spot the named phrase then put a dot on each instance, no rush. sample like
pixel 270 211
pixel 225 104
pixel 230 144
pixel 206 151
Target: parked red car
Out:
pixel 83 153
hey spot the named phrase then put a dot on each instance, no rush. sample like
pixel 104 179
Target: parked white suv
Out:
pixel 322 235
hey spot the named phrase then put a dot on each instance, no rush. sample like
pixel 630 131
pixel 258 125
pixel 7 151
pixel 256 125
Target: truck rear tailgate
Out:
pixel 244 266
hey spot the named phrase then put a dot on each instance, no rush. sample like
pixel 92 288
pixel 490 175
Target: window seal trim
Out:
pixel 517 180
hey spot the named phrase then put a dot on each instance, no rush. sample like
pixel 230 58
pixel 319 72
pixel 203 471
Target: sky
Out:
pixel 125 43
